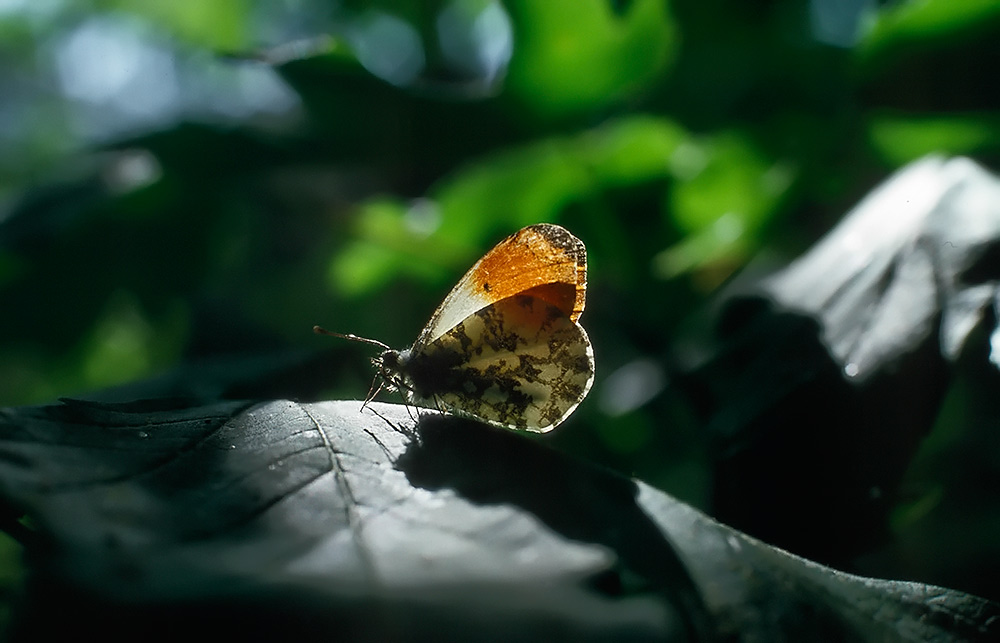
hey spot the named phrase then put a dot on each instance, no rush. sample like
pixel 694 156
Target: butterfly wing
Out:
pixel 544 261
pixel 520 362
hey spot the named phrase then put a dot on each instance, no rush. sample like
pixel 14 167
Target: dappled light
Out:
pixel 388 47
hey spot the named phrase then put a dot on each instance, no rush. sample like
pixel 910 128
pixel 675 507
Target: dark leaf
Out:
pixel 915 259
pixel 836 366
pixel 315 520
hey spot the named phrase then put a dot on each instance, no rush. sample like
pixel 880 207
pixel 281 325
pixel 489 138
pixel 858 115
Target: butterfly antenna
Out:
pixel 319 330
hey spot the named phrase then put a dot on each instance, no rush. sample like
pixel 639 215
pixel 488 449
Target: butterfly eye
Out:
pixel 388 360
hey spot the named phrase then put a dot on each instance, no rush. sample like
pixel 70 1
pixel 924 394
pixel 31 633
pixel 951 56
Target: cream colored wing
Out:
pixel 518 363
pixel 544 261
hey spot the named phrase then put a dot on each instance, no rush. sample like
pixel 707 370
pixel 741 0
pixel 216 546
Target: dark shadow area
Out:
pixel 490 466
pixel 806 458
pixel 276 613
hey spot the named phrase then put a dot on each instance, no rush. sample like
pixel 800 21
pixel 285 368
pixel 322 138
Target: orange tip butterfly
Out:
pixel 505 346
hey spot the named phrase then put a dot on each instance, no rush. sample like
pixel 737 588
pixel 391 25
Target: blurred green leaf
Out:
pixel 535 182
pixel 125 344
pixel 573 56
pixel 734 177
pixel 497 195
pixel 727 191
pixel 921 21
pixel 220 25
pixel 901 138
pixel 389 245
pixel 920 53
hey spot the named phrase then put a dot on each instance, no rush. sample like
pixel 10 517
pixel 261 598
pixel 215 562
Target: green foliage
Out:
pixel 900 138
pixel 917 24
pixel 220 25
pixel 577 56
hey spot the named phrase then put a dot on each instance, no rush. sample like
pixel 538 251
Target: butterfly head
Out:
pixel 390 366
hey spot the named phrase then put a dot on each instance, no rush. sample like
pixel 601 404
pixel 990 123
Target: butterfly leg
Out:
pixel 377 384
pixel 439 404
pixel 409 433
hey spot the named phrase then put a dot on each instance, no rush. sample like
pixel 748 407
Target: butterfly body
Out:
pixel 505 346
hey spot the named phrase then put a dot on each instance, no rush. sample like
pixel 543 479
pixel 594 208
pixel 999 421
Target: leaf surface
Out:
pixel 315 518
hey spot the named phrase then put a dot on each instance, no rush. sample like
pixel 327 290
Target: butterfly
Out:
pixel 505 346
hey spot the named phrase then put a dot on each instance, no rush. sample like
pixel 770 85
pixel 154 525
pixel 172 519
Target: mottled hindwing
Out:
pixel 544 261
pixel 520 362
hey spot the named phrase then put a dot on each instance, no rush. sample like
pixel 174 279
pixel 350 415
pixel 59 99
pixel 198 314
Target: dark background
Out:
pixel 189 185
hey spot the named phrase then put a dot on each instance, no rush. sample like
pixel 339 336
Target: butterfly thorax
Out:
pixel 419 375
